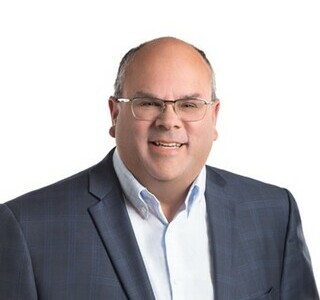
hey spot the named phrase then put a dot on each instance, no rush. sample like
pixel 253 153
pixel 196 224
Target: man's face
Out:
pixel 166 69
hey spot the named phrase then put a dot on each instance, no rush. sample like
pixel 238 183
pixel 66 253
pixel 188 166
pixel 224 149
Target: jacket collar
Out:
pixel 113 225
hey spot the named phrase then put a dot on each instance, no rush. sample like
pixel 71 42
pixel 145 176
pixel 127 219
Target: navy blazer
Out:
pixel 74 240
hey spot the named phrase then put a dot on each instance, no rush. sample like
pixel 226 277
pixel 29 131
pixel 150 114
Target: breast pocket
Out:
pixel 267 295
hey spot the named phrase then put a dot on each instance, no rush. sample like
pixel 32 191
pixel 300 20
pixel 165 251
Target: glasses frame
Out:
pixel 164 105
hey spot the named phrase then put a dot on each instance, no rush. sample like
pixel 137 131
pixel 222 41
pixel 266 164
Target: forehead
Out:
pixel 167 66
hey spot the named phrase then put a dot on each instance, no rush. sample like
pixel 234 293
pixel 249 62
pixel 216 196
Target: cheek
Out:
pixel 130 133
pixel 205 133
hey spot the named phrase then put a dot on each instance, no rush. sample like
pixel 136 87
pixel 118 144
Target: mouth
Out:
pixel 167 145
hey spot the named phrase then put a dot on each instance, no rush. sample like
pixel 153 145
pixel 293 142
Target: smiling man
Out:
pixel 151 221
pixel 165 145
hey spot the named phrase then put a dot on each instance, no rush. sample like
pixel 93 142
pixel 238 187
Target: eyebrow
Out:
pixel 144 94
pixel 150 95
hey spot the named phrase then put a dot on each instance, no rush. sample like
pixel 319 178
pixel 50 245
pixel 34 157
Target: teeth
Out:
pixel 170 145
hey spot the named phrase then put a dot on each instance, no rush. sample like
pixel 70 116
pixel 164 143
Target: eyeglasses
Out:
pixel 149 109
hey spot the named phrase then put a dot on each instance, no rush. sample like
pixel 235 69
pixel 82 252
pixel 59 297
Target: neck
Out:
pixel 171 196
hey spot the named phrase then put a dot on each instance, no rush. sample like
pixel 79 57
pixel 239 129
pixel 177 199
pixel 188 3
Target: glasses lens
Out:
pixel 146 108
pixel 191 109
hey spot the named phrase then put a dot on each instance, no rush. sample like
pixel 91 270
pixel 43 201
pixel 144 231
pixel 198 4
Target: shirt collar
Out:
pixel 144 201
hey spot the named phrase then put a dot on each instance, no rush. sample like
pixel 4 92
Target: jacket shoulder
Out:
pixel 54 199
pixel 69 196
pixel 245 188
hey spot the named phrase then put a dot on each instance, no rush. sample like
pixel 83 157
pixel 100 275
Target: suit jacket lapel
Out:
pixel 222 235
pixel 114 227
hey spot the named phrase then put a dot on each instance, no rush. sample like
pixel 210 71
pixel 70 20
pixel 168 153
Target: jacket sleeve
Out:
pixel 297 281
pixel 16 273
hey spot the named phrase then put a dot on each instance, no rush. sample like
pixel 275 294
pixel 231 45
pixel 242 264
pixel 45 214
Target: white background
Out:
pixel 58 61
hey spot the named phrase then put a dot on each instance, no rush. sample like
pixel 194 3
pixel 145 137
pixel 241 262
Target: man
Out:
pixel 151 221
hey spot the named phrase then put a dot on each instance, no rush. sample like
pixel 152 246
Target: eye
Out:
pixel 189 104
pixel 147 102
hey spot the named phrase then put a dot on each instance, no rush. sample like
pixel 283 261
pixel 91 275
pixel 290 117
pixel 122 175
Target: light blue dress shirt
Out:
pixel 176 254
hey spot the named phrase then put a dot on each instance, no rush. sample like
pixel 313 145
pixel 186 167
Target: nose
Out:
pixel 168 118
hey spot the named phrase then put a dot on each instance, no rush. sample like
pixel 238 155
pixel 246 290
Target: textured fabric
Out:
pixel 176 254
pixel 73 240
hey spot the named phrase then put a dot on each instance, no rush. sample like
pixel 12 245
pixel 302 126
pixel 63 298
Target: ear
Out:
pixel 114 111
pixel 215 112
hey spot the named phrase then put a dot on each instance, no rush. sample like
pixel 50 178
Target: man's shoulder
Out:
pixel 57 194
pixel 72 188
pixel 69 195
pixel 231 177
pixel 246 188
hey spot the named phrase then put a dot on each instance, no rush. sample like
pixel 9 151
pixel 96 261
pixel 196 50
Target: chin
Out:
pixel 167 175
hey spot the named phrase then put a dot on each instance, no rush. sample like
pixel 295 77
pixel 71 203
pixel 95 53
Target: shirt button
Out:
pixel 144 211
pixel 174 282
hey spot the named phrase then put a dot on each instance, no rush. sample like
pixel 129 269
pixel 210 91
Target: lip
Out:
pixel 162 148
pixel 166 144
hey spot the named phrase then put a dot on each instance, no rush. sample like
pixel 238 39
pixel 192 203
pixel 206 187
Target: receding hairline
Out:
pixel 130 55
